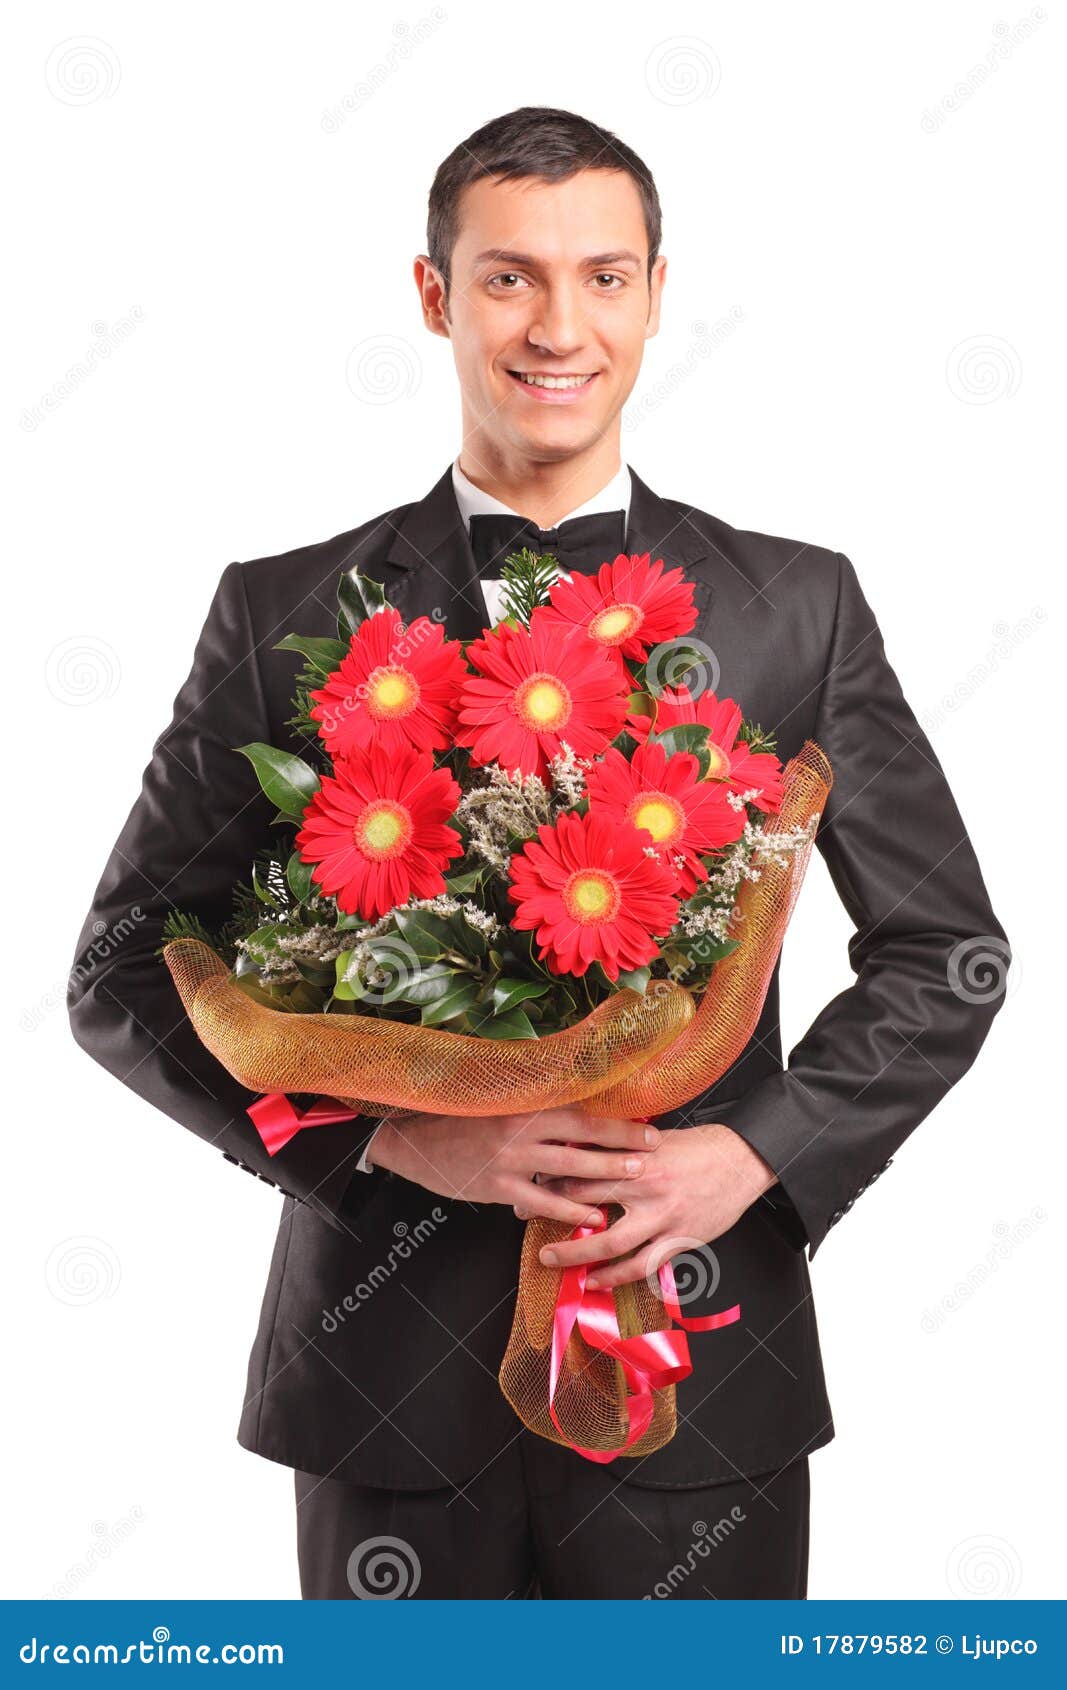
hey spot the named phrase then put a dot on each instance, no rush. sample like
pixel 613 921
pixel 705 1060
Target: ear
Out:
pixel 656 281
pixel 432 296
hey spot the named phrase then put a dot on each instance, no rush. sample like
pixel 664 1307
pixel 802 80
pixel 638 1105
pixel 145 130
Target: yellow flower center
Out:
pixel 542 703
pixel 719 767
pixel 392 691
pixel 591 895
pixel 383 829
pixel 661 816
pixel 616 623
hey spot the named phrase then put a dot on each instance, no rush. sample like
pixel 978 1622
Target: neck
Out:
pixel 543 491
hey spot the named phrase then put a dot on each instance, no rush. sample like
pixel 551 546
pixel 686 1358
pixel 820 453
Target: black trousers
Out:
pixel 541 1521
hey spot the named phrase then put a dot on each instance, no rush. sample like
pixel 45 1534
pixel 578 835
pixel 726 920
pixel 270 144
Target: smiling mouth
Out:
pixel 553 383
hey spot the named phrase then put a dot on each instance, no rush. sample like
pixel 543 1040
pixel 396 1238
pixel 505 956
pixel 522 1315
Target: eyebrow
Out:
pixel 526 260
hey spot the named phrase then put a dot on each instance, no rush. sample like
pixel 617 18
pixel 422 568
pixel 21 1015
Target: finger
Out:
pixel 627 1270
pixel 593 1190
pixel 616 1240
pixel 541 1201
pixel 570 1161
pixel 607 1131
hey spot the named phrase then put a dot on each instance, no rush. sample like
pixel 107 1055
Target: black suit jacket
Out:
pixel 387 1309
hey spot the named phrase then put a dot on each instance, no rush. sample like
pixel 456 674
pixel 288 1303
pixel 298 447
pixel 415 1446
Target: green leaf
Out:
pixel 287 781
pixel 262 944
pixel 358 598
pixel 636 979
pixel 428 985
pixel 298 876
pixel 348 991
pixel 457 1001
pixel 686 736
pixel 514 1025
pixel 462 885
pixel 322 654
pixel 508 993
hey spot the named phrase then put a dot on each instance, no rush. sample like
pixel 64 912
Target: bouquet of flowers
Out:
pixel 544 867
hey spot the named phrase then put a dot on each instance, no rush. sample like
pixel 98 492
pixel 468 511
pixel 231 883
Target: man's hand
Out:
pixel 493 1159
pixel 697 1185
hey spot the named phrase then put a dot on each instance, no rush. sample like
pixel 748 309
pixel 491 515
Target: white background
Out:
pixel 890 386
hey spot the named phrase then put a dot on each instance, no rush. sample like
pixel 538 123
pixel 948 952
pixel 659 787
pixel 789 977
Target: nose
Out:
pixel 558 323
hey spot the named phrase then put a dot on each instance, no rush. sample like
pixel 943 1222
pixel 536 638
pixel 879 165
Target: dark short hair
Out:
pixel 536 141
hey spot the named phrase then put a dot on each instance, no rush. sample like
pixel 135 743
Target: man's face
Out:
pixel 549 279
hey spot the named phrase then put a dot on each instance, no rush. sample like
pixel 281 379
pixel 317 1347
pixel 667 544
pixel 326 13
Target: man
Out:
pixel 391 1289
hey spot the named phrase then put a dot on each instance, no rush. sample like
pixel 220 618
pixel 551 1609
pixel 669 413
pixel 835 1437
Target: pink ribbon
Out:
pixel 649 1361
pixel 277 1120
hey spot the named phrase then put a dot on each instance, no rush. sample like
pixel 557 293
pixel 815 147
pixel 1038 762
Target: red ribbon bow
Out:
pixel 649 1361
pixel 277 1120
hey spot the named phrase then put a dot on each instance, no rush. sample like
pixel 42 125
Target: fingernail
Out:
pixel 522 1214
pixel 549 1258
pixel 592 1282
pixel 634 1164
pixel 651 1136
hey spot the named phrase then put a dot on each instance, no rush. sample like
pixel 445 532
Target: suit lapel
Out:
pixel 656 527
pixel 434 572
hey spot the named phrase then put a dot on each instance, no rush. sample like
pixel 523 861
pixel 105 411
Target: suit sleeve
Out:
pixel 929 955
pixel 190 837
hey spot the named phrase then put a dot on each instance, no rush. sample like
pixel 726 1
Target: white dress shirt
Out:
pixel 613 496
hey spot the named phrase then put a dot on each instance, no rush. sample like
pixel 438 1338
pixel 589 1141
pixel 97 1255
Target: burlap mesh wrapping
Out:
pixel 633 1056
pixel 590 1395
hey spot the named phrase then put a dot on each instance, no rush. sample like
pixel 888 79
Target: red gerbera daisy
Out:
pixel 732 762
pixel 627 607
pixel 396 686
pixel 593 895
pixel 377 830
pixel 684 816
pixel 534 691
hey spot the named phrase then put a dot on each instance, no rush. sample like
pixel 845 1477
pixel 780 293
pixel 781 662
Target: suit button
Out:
pixel 835 1217
pixel 850 1202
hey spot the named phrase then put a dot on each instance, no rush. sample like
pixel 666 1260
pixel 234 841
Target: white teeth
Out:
pixel 553 381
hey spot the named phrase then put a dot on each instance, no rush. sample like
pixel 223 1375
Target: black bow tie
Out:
pixel 582 543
